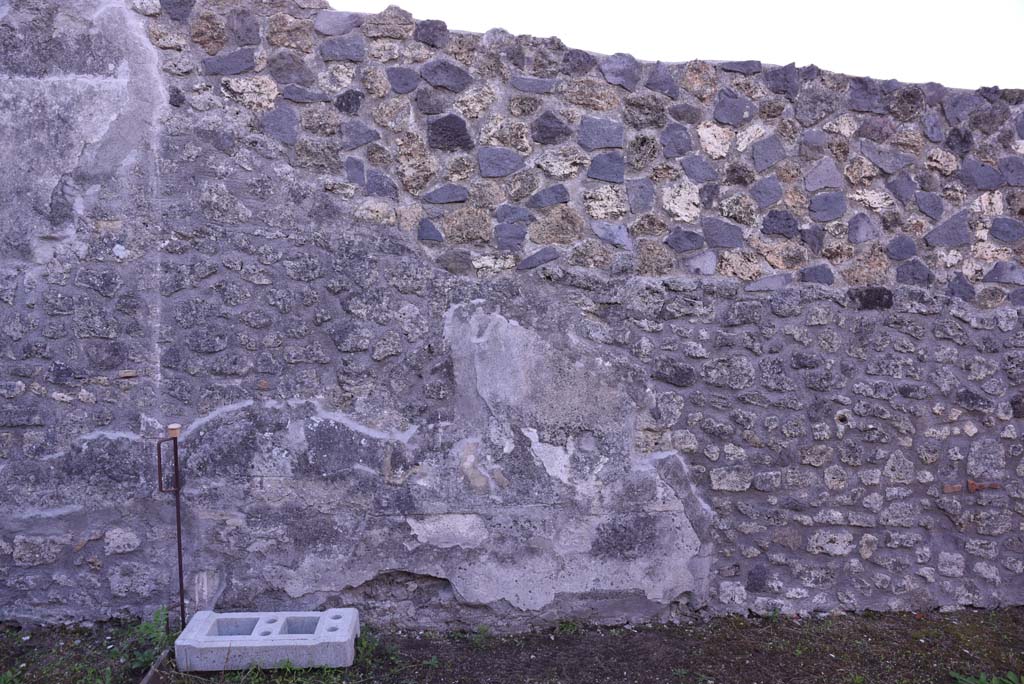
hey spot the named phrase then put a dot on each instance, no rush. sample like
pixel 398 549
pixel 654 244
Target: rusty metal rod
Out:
pixel 173 432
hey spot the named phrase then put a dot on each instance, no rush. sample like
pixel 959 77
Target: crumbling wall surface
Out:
pixel 478 329
pixel 81 534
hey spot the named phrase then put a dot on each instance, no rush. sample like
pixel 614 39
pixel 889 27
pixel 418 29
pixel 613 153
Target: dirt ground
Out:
pixel 109 653
pixel 872 648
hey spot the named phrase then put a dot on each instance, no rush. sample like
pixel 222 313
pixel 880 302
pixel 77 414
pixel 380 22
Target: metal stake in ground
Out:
pixel 173 432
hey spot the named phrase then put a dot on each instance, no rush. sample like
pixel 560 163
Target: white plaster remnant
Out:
pixel 450 530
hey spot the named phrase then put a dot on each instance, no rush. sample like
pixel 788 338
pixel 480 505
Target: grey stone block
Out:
pixel 237 641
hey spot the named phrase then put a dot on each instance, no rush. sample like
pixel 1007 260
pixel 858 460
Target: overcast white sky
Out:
pixel 959 43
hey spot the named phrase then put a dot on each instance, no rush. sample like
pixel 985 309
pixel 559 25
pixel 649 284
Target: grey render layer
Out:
pixel 478 329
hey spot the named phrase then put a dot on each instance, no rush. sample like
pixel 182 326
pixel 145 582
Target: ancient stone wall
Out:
pixel 479 329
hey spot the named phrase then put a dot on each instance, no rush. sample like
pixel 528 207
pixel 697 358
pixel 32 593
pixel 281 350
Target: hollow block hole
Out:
pixel 300 625
pixel 233 626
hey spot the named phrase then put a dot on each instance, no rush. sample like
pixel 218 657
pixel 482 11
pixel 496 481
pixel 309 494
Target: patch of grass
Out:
pixel 285 674
pixel 1008 678
pixel 686 677
pixel 366 647
pixel 143 643
pixel 110 653
pixel 375 661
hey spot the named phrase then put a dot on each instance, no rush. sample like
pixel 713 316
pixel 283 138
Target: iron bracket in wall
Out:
pixel 173 433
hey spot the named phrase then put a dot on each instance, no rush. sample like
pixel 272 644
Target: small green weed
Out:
pixel 144 642
pixel 366 647
pixel 568 627
pixel 11 676
pixel 480 637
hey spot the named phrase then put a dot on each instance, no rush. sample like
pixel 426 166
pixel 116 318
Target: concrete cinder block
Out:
pixel 237 641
